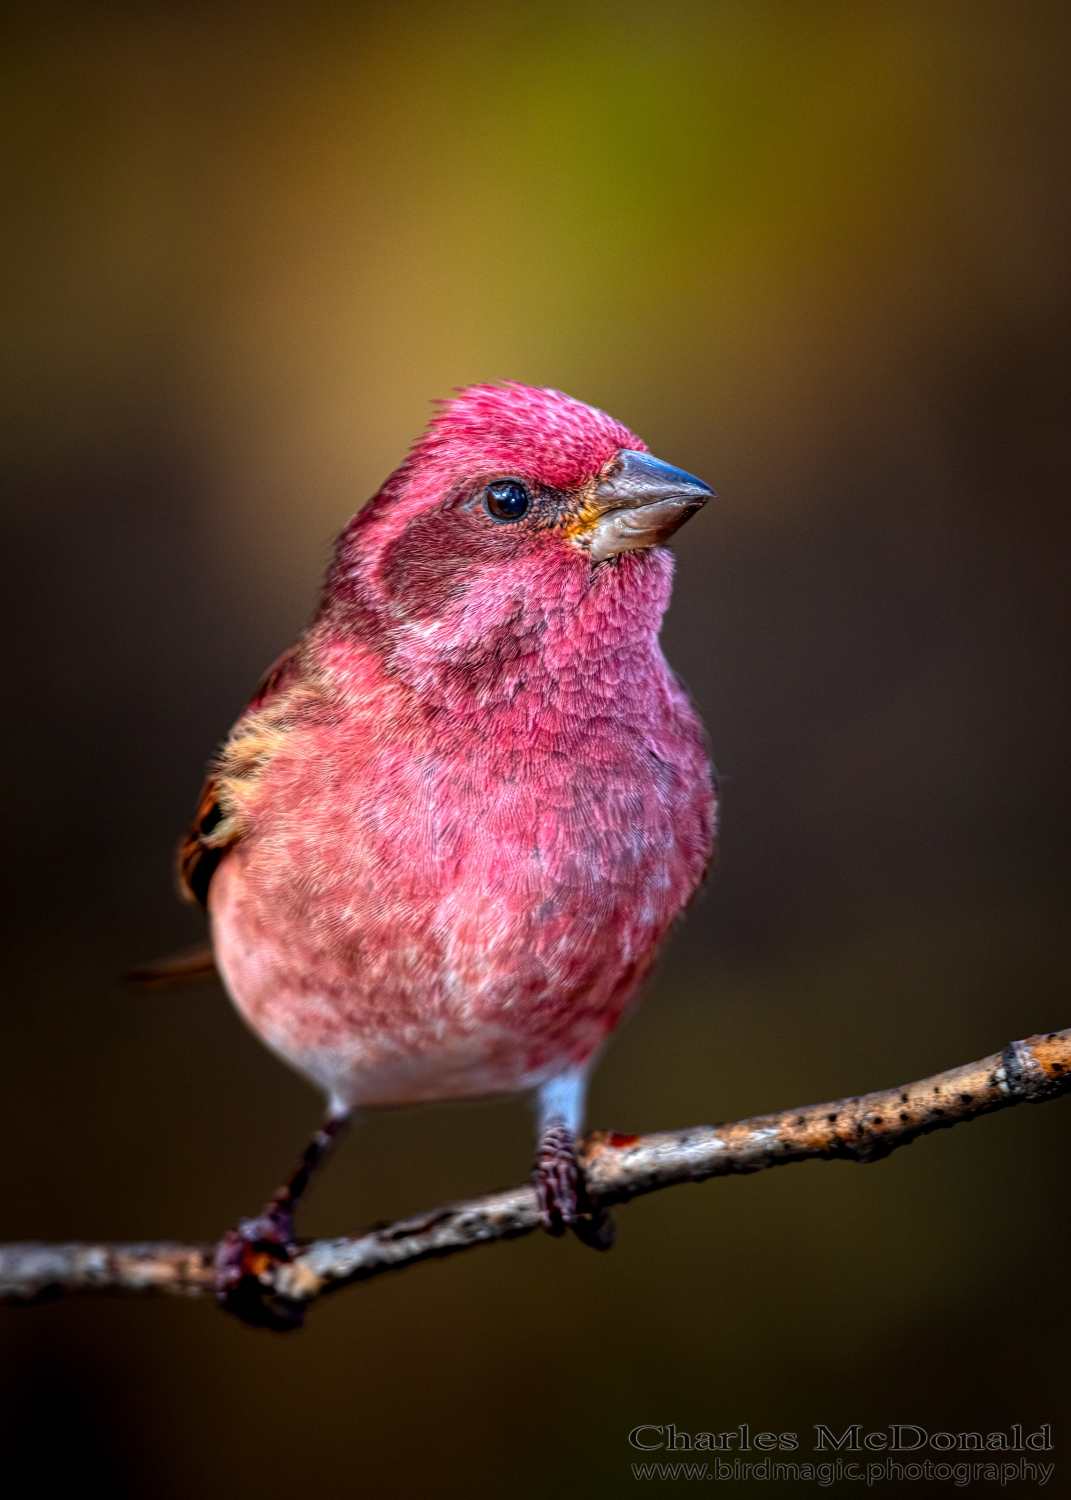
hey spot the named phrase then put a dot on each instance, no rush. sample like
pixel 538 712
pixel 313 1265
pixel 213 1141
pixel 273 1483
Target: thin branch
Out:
pixel 616 1168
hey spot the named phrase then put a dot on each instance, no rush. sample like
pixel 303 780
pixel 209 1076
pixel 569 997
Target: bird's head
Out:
pixel 514 504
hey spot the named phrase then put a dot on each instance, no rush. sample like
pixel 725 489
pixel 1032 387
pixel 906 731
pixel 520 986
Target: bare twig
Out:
pixel 616 1168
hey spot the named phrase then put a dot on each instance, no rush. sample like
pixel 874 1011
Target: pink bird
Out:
pixel 442 845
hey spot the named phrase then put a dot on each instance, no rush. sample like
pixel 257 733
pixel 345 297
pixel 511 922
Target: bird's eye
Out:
pixel 507 500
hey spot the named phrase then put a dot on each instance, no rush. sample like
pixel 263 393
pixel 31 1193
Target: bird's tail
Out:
pixel 180 968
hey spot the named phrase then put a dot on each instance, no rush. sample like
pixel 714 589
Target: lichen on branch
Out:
pixel 616 1168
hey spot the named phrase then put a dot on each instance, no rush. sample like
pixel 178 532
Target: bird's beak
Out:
pixel 638 501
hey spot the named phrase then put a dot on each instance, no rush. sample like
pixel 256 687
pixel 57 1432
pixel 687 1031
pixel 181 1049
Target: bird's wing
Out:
pixel 252 744
pixel 204 843
pixel 218 824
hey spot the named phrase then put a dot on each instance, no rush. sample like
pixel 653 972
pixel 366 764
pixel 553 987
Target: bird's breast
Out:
pixel 417 888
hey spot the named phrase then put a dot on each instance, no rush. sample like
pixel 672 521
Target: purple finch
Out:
pixel 442 845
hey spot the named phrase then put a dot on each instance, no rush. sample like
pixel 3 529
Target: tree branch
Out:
pixel 616 1168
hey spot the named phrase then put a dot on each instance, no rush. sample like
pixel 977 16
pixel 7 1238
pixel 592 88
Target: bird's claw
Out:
pixel 556 1178
pixel 244 1256
pixel 562 1195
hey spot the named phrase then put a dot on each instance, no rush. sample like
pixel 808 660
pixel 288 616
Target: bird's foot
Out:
pixel 561 1193
pixel 244 1255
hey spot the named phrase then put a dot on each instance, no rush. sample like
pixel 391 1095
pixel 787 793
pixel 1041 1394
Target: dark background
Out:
pixel 816 253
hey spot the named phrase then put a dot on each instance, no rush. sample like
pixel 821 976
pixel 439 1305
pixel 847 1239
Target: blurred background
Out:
pixel 814 252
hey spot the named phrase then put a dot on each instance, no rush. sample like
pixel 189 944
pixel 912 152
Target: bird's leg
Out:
pixel 559 1183
pixel 244 1253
